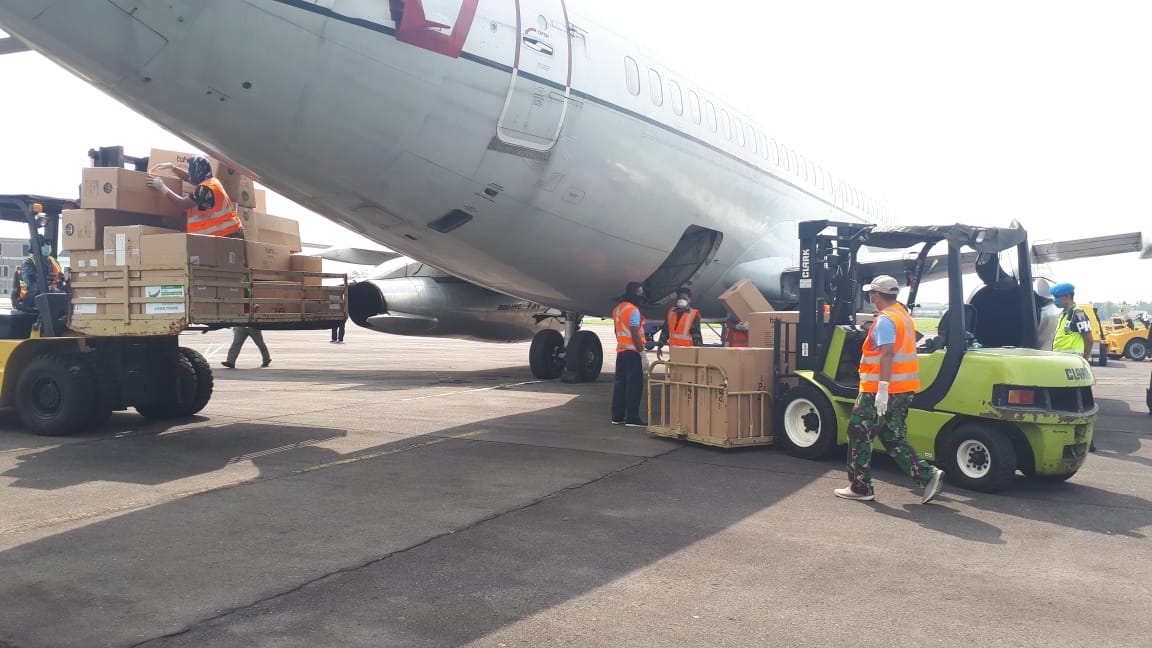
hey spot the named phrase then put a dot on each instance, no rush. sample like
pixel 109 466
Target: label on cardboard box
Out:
pixel 84 309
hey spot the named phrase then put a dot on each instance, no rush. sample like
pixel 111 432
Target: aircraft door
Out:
pixel 537 100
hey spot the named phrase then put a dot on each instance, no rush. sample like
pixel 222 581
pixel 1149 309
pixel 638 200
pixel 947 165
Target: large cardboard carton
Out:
pixel 303 263
pixel 193 249
pixel 762 330
pixel 124 190
pixel 80 262
pixel 268 256
pixel 277 296
pixel 266 228
pixel 83 229
pixel 122 243
pixel 237 185
pixel 680 409
pixel 743 299
pixel 733 413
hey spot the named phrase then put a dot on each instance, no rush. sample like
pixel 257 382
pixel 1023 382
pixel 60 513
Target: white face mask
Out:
pixel 46 250
pixel 681 303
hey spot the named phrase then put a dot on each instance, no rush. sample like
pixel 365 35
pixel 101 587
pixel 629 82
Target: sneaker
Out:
pixel 228 364
pixel 265 363
pixel 333 341
pixel 848 493
pixel 636 423
pixel 933 487
pixel 615 422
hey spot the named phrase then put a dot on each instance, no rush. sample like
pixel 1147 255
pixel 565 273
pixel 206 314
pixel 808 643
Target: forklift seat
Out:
pixel 941 340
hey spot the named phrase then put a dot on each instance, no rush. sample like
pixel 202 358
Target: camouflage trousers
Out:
pixel 864 424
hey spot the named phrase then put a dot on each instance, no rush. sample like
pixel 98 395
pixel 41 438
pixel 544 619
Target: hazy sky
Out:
pixel 978 112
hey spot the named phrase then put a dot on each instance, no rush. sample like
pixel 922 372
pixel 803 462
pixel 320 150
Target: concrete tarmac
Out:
pixel 408 492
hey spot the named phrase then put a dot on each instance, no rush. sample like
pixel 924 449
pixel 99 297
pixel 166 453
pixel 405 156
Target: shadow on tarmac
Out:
pixel 382 379
pixel 155 458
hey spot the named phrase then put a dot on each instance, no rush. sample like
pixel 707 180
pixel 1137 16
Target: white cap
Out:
pixel 883 284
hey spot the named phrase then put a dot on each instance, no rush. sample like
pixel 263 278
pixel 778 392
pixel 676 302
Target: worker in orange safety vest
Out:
pixel 681 324
pixel 631 361
pixel 208 208
pixel 889 378
pixel 735 332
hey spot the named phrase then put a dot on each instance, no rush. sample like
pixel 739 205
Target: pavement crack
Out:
pixel 399 552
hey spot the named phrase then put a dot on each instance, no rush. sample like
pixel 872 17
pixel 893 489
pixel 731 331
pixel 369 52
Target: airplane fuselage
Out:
pixel 515 145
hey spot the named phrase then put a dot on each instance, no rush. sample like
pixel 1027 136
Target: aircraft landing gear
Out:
pixel 579 361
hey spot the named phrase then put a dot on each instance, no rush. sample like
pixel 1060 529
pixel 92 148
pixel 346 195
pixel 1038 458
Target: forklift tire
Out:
pixel 806 423
pixel 978 457
pixel 1136 350
pixel 55 394
pixel 179 404
pixel 204 380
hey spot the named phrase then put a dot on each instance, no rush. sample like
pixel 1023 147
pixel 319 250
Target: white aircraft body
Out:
pixel 514 144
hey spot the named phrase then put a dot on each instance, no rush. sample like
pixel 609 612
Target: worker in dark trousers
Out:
pixel 681 324
pixel 631 361
pixel 239 335
pixel 338 333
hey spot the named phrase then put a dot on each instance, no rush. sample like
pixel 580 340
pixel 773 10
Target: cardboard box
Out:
pixel 83 229
pixel 335 309
pixel 303 263
pixel 261 201
pixel 193 249
pixel 124 190
pixel 81 260
pixel 743 299
pixel 681 407
pixel 277 296
pixel 266 228
pixel 731 414
pixel 326 293
pixel 122 243
pixel 268 256
pixel 237 185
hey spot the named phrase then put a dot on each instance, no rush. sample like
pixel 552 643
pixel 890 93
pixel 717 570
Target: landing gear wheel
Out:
pixel 979 457
pixel 1136 350
pixel 177 401
pixel 204 380
pixel 54 396
pixel 806 423
pixel 546 355
pixel 584 358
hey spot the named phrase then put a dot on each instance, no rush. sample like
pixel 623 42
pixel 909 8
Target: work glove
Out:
pixel 164 166
pixel 156 183
pixel 882 398
pixel 742 326
pixel 644 362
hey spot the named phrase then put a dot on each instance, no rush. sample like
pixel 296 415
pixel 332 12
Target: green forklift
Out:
pixel 991 402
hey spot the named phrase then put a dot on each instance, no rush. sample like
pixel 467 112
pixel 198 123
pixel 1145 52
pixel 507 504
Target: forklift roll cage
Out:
pixel 22 209
pixel 832 276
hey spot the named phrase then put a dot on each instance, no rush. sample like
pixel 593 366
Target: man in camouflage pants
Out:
pixel 888 363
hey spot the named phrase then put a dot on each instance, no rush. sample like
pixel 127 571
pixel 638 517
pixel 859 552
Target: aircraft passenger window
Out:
pixel 752 139
pixel 802 168
pixel 677 98
pixel 725 124
pixel 794 168
pixel 773 152
pixel 813 175
pixel 657 87
pixel 632 75
pixel 694 106
pixel 738 128
pixel 710 111
pixel 763 146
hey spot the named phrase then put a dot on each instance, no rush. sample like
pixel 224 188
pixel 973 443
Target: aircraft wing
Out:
pixel 358 256
pixel 11 45
pixel 1049 252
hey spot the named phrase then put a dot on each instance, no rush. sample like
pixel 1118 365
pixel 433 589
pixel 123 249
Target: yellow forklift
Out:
pixel 61 382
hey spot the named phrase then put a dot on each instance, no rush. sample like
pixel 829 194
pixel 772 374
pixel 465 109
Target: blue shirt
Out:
pixel 634 321
pixel 884 332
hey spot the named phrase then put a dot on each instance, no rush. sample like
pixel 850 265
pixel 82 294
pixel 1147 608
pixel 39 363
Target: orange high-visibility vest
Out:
pixel 222 220
pixel 735 338
pixel 905 376
pixel 55 278
pixel 680 327
pixel 620 317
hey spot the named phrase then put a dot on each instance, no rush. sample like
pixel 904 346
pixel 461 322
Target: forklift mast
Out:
pixel 828 280
pixel 40 213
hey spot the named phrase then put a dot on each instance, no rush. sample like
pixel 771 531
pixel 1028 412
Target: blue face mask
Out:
pixel 46 250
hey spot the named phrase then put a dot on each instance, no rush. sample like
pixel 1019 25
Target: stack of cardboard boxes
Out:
pixel 128 230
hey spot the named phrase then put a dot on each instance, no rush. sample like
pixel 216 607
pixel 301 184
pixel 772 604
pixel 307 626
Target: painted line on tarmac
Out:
pixel 469 391
pixel 384 453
